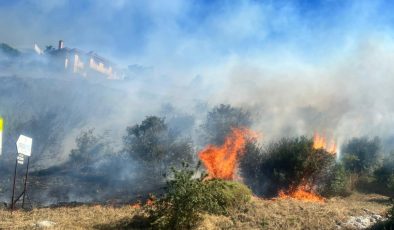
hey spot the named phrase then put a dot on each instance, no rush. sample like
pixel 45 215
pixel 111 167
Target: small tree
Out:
pixel 338 182
pixel 361 155
pixel 250 165
pixel 284 164
pixel 152 143
pixel 89 149
pixel 221 119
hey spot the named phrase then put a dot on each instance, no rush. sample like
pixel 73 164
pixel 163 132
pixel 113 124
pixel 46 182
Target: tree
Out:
pixel 155 145
pixel 221 119
pixel 250 165
pixel 283 165
pixel 338 181
pixel 90 148
pixel 361 155
pixel 385 173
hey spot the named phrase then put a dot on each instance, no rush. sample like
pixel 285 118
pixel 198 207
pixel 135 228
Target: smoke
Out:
pixel 345 98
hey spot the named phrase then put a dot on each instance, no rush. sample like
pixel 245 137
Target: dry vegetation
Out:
pixel 292 214
pixel 260 214
pixel 80 217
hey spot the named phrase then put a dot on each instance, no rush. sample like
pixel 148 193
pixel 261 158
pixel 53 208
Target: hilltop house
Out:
pixel 86 64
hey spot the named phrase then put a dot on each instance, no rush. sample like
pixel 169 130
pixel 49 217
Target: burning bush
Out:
pixel 285 165
pixel 222 161
pixel 188 197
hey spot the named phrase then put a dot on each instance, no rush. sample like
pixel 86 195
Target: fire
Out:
pixel 136 206
pixel 302 192
pixel 221 161
pixel 319 142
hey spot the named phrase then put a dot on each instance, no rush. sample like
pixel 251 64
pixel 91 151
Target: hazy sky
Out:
pixel 197 33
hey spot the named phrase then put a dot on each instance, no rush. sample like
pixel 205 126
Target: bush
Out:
pixel 284 164
pixel 338 182
pixel 89 149
pixel 188 197
pixel 221 119
pixel 226 196
pixel 361 155
pixel 155 146
pixel 384 175
pixel 250 165
pixel 390 183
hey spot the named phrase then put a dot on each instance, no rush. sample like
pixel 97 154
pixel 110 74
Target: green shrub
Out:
pixel 188 197
pixel 283 164
pixel 384 175
pixel 226 196
pixel 338 183
pixel 155 146
pixel 90 148
pixel 390 183
pixel 361 155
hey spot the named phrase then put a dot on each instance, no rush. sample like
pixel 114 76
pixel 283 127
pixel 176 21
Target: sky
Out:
pixel 198 34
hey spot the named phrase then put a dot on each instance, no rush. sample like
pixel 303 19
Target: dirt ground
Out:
pixel 261 214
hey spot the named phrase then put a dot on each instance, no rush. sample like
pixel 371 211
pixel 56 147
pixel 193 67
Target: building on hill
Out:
pixel 86 64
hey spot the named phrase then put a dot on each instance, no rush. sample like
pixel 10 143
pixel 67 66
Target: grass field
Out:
pixel 260 214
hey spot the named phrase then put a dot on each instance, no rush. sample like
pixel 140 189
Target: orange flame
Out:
pixel 221 161
pixel 319 142
pixel 302 192
pixel 136 205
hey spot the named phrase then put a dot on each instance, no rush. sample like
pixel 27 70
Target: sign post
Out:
pixel 23 146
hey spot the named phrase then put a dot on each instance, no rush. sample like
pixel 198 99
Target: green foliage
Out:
pixel 221 119
pixel 250 165
pixel 283 164
pixel 390 183
pixel 290 161
pixel 226 196
pixel 384 175
pixel 188 197
pixel 338 182
pixel 361 155
pixel 155 145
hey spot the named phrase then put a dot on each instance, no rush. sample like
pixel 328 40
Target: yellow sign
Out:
pixel 1 134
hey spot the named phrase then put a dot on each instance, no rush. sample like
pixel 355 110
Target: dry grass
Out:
pixel 292 214
pixel 82 217
pixel 261 214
